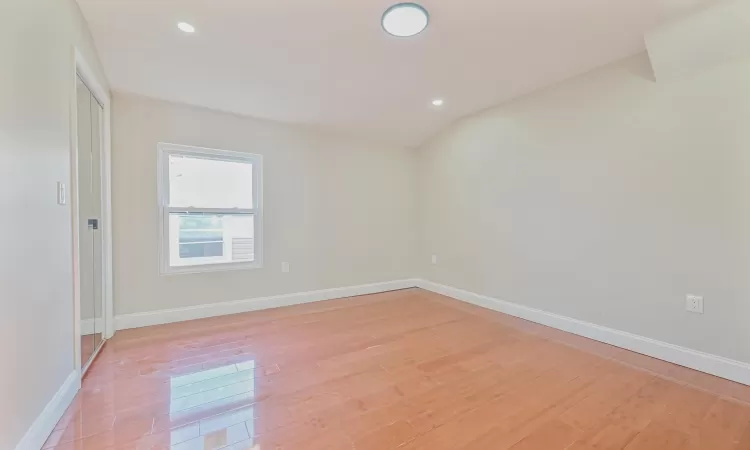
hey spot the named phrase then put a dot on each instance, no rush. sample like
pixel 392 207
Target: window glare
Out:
pixel 202 182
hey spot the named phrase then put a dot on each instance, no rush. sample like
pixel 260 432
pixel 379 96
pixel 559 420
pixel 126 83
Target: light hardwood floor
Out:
pixel 406 369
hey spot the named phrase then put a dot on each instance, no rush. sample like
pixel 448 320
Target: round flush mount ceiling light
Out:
pixel 405 19
pixel 438 102
pixel 186 27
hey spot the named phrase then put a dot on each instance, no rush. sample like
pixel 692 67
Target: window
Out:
pixel 211 213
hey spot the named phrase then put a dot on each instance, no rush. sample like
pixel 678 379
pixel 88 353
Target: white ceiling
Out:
pixel 328 62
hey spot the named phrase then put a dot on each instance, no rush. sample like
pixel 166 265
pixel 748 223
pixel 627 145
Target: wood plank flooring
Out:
pixel 407 369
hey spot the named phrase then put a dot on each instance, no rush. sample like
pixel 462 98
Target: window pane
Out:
pixel 201 236
pixel 209 183
pixel 198 239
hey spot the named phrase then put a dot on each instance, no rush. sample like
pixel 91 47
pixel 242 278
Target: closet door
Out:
pixel 90 263
pixel 95 228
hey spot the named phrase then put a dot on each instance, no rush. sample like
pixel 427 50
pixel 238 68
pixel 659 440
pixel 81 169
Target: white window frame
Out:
pixel 164 151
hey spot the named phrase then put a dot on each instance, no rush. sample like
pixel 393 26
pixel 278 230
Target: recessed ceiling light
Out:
pixel 438 102
pixel 186 27
pixel 405 19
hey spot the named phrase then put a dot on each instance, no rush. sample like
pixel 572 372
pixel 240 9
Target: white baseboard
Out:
pixel 45 423
pixel 92 326
pixel 715 365
pixel 145 319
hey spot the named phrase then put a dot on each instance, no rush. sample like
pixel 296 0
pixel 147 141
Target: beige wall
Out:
pixel 606 198
pixel 341 212
pixel 36 85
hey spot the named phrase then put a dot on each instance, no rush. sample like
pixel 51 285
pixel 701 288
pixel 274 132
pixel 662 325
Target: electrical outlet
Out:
pixel 285 267
pixel 694 303
pixel 434 259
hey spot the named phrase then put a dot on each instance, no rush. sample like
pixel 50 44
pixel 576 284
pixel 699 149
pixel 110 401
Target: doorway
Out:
pixel 90 264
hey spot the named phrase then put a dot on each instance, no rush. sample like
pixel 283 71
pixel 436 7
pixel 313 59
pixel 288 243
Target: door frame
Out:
pixel 83 69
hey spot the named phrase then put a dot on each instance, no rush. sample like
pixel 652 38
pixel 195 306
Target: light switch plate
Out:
pixel 285 267
pixel 62 193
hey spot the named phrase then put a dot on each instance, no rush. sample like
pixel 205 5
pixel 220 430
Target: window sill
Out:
pixel 205 268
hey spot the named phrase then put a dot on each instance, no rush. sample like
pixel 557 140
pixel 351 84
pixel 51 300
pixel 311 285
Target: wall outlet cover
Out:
pixel 694 303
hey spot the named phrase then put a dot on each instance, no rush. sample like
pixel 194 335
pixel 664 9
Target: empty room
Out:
pixel 375 225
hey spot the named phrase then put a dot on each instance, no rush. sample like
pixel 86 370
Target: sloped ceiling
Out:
pixel 328 63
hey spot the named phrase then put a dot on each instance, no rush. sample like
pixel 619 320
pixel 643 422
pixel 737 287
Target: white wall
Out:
pixel 606 198
pixel 36 85
pixel 719 34
pixel 340 211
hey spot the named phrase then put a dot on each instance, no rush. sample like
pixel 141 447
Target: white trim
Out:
pixel 92 326
pixel 145 319
pixel 712 364
pixel 163 151
pixel 45 423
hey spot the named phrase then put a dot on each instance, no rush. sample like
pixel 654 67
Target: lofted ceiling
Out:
pixel 328 63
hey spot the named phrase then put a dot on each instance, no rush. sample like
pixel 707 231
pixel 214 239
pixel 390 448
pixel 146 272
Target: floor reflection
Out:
pixel 197 394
